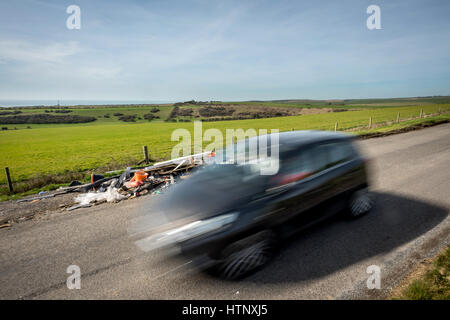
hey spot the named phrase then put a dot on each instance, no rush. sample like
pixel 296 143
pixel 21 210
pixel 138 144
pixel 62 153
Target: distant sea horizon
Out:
pixel 48 103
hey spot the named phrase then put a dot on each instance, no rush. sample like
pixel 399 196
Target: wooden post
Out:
pixel 335 126
pixel 421 113
pixel 398 117
pixel 8 178
pixel 144 148
pixel 370 122
pixel 440 110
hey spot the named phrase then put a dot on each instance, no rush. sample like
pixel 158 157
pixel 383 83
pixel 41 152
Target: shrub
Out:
pixel 215 111
pixel 150 116
pixel 5 113
pixel 185 112
pixel 173 113
pixel 128 118
pixel 45 118
pixel 62 111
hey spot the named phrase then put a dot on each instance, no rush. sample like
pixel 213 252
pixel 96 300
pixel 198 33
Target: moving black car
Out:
pixel 231 216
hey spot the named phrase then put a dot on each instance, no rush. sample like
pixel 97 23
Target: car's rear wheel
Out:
pixel 243 257
pixel 360 203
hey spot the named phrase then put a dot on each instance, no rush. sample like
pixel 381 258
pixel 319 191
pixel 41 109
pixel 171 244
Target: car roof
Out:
pixel 303 137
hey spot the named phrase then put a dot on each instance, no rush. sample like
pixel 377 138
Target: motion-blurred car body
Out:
pixel 229 216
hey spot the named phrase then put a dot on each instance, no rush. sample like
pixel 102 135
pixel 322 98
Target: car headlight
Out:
pixel 188 231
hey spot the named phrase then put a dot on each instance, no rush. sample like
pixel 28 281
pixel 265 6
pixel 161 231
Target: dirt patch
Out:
pixel 13 211
pixel 316 110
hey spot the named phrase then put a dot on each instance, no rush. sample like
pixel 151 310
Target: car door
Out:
pixel 342 172
pixel 300 185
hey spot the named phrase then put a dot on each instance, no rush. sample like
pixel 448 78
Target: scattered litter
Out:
pixel 132 183
pixel 138 179
pixel 110 195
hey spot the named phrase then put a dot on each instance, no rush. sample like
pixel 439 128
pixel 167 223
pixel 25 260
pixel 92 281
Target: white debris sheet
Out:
pixel 110 195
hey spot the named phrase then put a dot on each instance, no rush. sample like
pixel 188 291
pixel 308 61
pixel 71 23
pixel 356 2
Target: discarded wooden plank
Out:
pixel 77 206
pixel 181 163
pixel 176 161
pixel 39 198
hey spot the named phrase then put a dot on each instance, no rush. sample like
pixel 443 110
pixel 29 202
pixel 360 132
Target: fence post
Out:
pixel 421 113
pixel 370 122
pixel 8 178
pixel 398 117
pixel 335 126
pixel 144 148
pixel 440 110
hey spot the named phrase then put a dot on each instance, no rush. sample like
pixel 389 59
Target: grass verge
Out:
pixel 404 126
pixel 433 284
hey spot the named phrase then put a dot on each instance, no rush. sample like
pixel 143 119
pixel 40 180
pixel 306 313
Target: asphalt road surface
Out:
pixel 410 222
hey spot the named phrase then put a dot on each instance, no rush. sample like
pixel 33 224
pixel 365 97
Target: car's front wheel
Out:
pixel 241 258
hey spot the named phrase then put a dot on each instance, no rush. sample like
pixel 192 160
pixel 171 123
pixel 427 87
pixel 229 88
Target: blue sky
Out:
pixel 223 50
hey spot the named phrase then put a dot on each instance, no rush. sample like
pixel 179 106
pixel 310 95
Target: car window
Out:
pixel 319 158
pixel 339 152
pixel 305 162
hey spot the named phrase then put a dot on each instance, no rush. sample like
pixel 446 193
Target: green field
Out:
pixel 59 149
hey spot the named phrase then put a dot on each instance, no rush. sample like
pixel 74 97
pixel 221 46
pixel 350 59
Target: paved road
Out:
pixel 409 223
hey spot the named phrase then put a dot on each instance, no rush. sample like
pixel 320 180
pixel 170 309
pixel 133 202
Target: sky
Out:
pixel 223 50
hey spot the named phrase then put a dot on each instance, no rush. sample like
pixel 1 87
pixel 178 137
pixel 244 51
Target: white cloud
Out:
pixel 99 72
pixel 27 52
